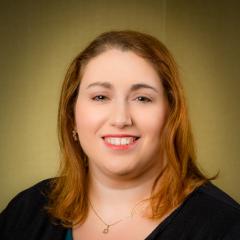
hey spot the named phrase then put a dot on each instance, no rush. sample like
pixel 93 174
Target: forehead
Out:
pixel 119 67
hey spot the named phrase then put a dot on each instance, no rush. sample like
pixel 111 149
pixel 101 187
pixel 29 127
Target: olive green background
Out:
pixel 40 38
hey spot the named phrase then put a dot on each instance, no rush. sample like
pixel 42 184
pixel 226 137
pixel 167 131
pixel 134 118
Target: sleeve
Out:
pixel 233 233
pixel 22 212
pixel 10 217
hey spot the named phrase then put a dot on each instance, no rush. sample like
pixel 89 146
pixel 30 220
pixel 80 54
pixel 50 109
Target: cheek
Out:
pixel 87 119
pixel 153 122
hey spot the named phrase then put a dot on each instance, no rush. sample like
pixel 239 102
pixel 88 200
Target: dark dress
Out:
pixel 207 214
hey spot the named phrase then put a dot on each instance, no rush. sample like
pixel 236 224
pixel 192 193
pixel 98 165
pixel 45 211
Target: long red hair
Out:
pixel 68 200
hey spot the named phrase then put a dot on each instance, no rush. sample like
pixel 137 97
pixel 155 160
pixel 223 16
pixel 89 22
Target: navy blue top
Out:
pixel 206 214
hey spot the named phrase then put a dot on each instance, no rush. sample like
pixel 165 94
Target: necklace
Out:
pixel 107 226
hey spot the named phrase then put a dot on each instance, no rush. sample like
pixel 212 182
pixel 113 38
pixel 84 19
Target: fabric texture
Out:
pixel 69 235
pixel 207 214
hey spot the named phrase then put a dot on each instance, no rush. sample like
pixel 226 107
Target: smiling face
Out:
pixel 119 113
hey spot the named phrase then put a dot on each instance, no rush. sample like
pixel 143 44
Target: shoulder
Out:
pixel 26 211
pixel 216 201
pixel 32 198
pixel 216 194
pixel 38 191
pixel 214 212
pixel 207 213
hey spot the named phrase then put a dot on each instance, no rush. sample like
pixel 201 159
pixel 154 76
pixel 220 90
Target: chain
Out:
pixel 106 229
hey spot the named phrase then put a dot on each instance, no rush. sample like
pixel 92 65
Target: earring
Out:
pixel 74 134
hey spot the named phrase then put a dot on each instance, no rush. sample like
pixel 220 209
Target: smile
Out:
pixel 120 142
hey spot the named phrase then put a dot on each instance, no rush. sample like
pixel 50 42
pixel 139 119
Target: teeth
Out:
pixel 120 141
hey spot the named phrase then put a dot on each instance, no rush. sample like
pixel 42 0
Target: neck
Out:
pixel 125 195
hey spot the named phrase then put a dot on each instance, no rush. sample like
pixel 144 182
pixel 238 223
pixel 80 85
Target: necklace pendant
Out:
pixel 105 230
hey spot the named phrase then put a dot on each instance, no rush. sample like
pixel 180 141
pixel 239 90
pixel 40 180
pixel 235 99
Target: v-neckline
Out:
pixel 159 228
pixel 162 225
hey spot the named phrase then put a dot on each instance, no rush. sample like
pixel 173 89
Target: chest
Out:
pixel 137 229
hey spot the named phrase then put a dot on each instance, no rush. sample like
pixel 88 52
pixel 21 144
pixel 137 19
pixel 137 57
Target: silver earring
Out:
pixel 74 134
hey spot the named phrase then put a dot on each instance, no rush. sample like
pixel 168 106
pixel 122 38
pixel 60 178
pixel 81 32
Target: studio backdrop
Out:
pixel 40 38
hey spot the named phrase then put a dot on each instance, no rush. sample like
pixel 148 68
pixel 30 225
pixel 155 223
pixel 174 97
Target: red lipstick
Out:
pixel 120 135
pixel 120 147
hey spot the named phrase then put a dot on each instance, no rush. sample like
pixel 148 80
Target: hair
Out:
pixel 68 198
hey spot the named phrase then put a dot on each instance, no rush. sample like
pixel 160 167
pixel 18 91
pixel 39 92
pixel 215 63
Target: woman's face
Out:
pixel 119 113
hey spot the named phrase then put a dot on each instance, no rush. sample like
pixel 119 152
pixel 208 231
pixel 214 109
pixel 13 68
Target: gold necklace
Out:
pixel 106 229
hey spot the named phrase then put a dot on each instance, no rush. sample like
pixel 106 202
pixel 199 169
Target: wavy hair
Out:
pixel 68 198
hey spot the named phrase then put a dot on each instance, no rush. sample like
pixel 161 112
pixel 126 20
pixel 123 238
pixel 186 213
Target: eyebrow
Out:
pixel 134 87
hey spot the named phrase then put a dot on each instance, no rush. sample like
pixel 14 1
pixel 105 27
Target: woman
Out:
pixel 128 167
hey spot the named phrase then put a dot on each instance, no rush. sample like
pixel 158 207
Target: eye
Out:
pixel 99 98
pixel 144 99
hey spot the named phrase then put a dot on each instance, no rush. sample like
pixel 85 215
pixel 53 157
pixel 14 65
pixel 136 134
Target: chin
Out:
pixel 121 171
pixel 124 173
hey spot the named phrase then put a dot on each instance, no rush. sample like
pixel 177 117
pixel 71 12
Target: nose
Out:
pixel 120 115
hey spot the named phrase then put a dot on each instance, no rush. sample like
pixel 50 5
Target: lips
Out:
pixel 134 138
pixel 120 141
pixel 120 135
